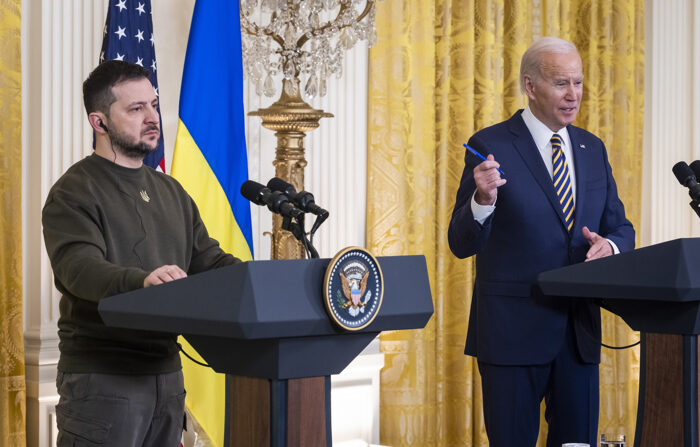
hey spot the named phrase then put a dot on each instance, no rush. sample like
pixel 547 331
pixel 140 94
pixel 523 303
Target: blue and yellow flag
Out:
pixel 210 162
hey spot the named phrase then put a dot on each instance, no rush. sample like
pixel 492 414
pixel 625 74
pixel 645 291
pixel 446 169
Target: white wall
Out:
pixel 671 117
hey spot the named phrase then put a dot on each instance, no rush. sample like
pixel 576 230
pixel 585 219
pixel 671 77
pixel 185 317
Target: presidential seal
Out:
pixel 353 288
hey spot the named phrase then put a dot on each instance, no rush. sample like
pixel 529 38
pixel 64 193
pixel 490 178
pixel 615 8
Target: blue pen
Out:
pixel 481 157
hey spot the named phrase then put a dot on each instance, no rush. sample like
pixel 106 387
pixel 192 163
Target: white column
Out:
pixel 337 171
pixel 60 45
pixel 671 117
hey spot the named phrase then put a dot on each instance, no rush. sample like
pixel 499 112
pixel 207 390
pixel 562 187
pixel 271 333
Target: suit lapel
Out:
pixel 582 172
pixel 528 151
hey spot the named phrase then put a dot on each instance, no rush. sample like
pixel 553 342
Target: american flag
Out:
pixel 128 36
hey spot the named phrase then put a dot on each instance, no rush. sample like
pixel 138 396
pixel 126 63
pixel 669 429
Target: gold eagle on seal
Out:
pixel 354 290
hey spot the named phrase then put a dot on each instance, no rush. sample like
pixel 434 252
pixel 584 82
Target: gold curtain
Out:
pixel 440 71
pixel 12 383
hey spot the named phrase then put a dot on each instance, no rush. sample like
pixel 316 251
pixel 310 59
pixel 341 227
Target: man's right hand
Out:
pixel 487 179
pixel 163 274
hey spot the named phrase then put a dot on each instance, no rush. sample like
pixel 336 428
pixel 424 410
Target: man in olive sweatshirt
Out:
pixel 112 225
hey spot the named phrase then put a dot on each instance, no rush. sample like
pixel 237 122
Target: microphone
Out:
pixel 695 166
pixel 276 201
pixel 687 178
pixel 303 200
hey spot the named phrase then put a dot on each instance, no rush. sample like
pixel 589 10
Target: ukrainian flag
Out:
pixel 210 162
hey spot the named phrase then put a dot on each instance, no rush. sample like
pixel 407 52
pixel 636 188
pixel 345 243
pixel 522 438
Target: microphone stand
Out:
pixel 317 223
pixel 694 193
pixel 695 205
pixel 297 229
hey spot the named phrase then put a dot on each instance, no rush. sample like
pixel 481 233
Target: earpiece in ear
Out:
pixel 102 125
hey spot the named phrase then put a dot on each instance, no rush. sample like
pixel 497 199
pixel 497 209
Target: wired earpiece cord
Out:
pixel 111 145
pixel 113 151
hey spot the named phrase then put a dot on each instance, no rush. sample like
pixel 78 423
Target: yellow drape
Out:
pixel 12 383
pixel 441 70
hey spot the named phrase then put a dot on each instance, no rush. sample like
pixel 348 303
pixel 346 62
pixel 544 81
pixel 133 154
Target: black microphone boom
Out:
pixel 276 201
pixel 303 200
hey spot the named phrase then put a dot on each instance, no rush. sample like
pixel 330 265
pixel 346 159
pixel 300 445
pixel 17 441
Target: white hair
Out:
pixel 532 58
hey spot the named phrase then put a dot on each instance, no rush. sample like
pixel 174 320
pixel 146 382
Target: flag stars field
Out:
pixel 125 34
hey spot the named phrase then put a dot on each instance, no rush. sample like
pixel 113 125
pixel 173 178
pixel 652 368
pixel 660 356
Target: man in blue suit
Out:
pixel 557 206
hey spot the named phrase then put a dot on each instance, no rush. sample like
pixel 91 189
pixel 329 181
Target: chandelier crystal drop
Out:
pixel 302 40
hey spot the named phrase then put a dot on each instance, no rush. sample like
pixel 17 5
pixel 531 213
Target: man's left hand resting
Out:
pixel 600 247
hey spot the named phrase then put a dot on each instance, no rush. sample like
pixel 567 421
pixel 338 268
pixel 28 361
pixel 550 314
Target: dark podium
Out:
pixel 265 324
pixel 656 290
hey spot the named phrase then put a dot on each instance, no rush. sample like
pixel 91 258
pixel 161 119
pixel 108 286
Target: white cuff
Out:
pixel 614 247
pixel 482 212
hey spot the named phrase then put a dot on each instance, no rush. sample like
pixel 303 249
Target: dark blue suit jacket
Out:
pixel 511 321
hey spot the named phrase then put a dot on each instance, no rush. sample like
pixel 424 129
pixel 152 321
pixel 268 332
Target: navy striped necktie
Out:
pixel 562 181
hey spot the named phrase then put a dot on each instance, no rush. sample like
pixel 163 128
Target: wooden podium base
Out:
pixel 279 413
pixel 667 413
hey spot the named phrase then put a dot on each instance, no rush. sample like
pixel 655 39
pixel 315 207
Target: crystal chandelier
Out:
pixel 303 40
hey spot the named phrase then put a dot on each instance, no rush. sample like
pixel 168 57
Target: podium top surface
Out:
pixel 267 299
pixel 669 271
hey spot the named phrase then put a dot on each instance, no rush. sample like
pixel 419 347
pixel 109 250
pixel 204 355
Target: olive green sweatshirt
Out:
pixel 106 227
